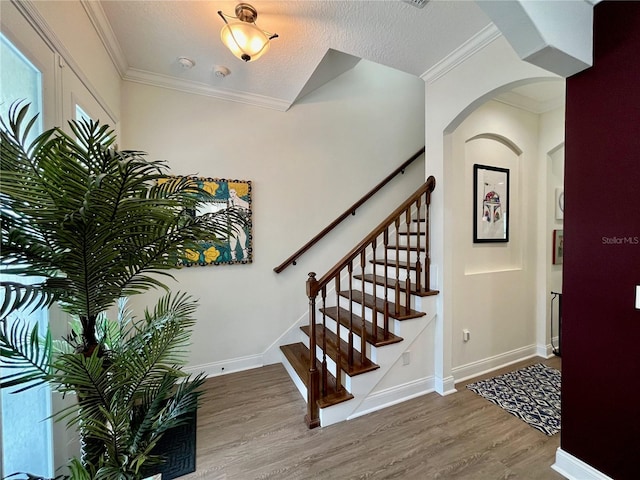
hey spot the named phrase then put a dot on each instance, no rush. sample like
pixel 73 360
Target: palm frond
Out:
pixel 183 403
pixel 22 348
pixel 87 376
pixel 20 296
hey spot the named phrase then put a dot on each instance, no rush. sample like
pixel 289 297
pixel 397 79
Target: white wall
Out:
pixel 307 166
pixel 450 98
pixel 494 296
pixel 551 177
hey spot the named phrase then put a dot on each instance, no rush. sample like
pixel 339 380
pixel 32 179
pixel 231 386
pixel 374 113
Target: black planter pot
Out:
pixel 178 447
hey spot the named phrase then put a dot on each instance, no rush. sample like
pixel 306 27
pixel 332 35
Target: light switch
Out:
pixel 638 297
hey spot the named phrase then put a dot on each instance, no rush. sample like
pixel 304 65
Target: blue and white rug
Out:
pixel 532 394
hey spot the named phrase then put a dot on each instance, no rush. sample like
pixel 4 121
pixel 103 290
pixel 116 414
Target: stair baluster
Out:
pixel 313 415
pixel 419 237
pixel 350 334
pixel 407 285
pixel 338 326
pixel 397 276
pixel 374 310
pixel 427 250
pixel 323 296
pixel 385 315
pixel 363 334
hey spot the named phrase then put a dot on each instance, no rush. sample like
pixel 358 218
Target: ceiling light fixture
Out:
pixel 245 40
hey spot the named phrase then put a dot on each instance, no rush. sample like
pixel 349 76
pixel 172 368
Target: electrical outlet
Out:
pixel 406 358
pixel 466 335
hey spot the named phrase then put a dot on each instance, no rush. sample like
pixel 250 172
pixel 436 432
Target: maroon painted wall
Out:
pixel 601 327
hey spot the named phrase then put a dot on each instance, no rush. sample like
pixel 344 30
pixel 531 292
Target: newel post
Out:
pixel 312 418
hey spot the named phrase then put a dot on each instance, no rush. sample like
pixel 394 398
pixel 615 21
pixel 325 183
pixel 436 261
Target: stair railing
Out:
pixel 414 212
pixel 350 211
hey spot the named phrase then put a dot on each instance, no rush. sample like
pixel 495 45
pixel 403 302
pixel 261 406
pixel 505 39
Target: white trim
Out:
pixel 101 25
pixel 575 469
pixel 40 25
pixel 445 386
pixel 224 367
pixel 474 369
pixel 103 28
pixel 164 81
pixel 394 395
pixel 529 104
pixel 476 43
pixel 544 351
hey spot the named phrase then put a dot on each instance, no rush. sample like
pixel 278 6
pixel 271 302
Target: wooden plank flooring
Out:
pixel 251 427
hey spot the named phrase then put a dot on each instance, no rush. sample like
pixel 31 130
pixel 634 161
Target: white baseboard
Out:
pixel 445 386
pixel 474 369
pixel 232 365
pixel 394 395
pixel 575 469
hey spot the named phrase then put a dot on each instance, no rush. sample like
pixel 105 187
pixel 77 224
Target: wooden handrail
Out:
pixel 350 211
pixel 428 186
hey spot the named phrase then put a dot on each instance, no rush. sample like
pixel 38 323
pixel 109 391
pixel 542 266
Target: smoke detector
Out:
pixel 416 3
pixel 186 63
pixel 220 71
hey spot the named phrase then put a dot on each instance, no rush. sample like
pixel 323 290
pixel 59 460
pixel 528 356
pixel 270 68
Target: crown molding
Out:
pixel 101 25
pixel 529 104
pixel 476 43
pixel 163 81
pixel 108 38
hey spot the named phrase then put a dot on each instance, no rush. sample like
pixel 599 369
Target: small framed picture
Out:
pixel 490 204
pixel 558 246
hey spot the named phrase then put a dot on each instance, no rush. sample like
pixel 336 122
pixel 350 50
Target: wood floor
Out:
pixel 251 427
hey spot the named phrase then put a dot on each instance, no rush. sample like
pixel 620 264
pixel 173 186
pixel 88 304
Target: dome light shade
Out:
pixel 245 40
pixel 243 37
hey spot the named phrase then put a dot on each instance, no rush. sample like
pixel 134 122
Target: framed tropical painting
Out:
pixel 237 246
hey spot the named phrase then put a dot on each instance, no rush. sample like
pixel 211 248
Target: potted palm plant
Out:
pixel 97 225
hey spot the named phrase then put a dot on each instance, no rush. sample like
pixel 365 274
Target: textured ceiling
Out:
pixel 317 41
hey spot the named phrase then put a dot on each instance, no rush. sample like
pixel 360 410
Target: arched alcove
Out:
pixel 496 292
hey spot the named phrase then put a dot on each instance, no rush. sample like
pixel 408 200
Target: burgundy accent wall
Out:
pixel 601 327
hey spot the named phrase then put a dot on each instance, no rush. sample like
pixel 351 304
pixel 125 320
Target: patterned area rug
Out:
pixel 532 394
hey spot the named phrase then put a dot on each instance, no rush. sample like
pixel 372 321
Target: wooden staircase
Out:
pixel 357 310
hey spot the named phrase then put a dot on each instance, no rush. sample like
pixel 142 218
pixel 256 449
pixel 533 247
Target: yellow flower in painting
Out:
pixel 241 188
pixel 210 187
pixel 211 254
pixel 191 255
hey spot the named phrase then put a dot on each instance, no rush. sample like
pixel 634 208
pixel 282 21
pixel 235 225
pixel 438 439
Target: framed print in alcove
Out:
pixel 490 204
pixel 558 246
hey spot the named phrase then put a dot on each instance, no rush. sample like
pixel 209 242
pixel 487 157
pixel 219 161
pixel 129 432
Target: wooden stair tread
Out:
pixel 360 365
pixel 411 248
pixel 403 313
pixel 298 356
pixel 391 283
pixel 380 341
pixel 392 263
